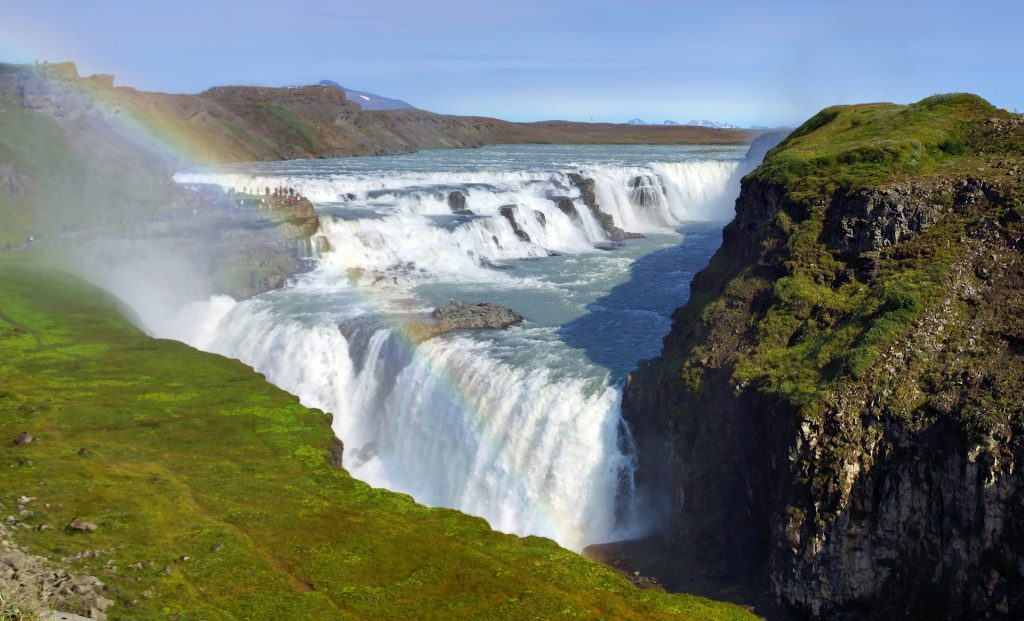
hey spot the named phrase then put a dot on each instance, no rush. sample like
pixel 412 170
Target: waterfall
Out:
pixel 516 426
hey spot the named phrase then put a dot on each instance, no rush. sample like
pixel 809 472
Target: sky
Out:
pixel 748 62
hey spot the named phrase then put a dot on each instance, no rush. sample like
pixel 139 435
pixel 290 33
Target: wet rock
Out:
pixel 456 316
pixel 508 212
pixel 457 203
pixel 541 218
pixel 587 188
pixel 588 194
pixel 466 316
pixel 566 206
pixel 645 191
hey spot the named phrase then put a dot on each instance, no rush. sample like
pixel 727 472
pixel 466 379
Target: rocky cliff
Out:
pixel 835 420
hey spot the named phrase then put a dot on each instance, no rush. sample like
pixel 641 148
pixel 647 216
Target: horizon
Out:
pixel 543 61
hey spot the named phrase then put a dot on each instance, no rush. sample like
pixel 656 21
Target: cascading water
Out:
pixel 521 426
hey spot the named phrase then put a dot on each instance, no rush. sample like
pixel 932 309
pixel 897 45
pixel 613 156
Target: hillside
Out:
pixel 835 419
pixel 213 495
pixel 370 101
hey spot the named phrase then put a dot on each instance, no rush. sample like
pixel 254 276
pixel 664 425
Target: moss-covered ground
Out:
pixel 219 484
pixel 819 322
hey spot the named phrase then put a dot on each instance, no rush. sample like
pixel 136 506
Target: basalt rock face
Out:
pixel 837 413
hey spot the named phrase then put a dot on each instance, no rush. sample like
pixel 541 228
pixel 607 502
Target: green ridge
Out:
pixel 821 324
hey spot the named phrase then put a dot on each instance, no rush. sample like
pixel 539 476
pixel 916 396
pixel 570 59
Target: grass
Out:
pixel 69 184
pixel 867 145
pixel 194 455
pixel 295 125
pixel 15 605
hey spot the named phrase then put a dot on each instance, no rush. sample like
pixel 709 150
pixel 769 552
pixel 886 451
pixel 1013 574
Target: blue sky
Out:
pixel 745 61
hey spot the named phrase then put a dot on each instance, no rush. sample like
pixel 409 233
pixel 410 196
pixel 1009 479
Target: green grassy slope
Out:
pixel 867 145
pixel 825 323
pixel 194 455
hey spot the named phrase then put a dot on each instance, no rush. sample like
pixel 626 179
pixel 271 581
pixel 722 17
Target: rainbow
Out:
pixel 149 122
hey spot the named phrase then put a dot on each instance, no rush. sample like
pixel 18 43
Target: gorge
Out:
pixel 814 412
pixel 521 427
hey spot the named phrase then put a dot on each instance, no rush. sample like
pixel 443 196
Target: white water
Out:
pixel 521 427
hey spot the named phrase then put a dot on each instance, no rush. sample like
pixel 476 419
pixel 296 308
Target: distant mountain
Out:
pixel 636 122
pixel 670 123
pixel 712 124
pixel 369 101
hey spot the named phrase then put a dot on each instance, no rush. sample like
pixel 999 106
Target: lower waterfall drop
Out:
pixel 522 426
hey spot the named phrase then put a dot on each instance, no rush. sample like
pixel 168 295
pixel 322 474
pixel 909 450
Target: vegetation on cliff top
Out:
pixel 867 145
pixel 829 316
pixel 214 499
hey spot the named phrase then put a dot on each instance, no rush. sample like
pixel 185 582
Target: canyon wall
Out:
pixel 836 414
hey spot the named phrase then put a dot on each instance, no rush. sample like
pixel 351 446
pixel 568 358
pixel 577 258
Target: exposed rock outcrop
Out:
pixel 48 583
pixel 457 203
pixel 861 220
pixel 588 194
pixel 566 206
pixel 644 191
pixel 464 316
pixel 836 418
pixel 509 213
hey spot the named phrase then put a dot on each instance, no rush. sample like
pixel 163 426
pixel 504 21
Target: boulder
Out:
pixel 457 203
pixel 466 316
pixel 463 316
pixel 78 525
pixel 23 438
